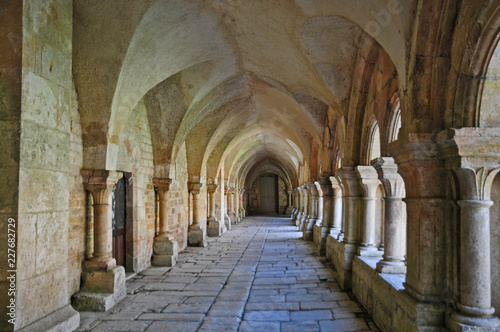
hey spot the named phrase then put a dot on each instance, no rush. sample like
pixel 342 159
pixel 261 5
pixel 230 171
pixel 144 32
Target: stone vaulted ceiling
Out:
pixel 244 83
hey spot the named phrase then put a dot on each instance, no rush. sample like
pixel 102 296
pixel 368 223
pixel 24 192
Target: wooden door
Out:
pixel 268 197
pixel 119 219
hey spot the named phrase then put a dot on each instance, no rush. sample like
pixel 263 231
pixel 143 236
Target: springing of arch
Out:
pixel 371 142
pixel 394 125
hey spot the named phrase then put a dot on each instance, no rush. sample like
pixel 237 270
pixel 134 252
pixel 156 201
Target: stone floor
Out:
pixel 258 277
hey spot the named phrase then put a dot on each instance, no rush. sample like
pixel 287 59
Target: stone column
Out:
pixel 298 211
pixel 227 220
pixel 327 217
pixel 103 282
pixel 296 203
pixel 307 231
pixel 336 230
pixel 165 249
pixel 352 218
pixel 318 221
pixel 214 225
pixel 473 154
pixel 197 233
pixel 352 204
pixel 305 212
pixel 369 181
pixel 393 259
pixel 289 209
pixel 230 205
pixel 242 212
pixel 475 263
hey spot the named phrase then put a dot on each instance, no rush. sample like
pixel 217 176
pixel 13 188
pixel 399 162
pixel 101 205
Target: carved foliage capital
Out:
pixel 476 184
pixel 100 184
pixel 326 186
pixel 391 180
pixel 211 188
pixel 194 187
pixel 349 181
pixel 313 190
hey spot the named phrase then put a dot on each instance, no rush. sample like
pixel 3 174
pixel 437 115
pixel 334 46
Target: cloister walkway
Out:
pixel 260 276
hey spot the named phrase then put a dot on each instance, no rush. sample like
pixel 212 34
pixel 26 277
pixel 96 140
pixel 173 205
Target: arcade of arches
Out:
pixel 133 129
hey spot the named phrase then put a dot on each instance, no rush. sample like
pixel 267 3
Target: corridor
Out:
pixel 261 276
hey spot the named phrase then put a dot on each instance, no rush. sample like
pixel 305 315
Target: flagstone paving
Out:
pixel 260 276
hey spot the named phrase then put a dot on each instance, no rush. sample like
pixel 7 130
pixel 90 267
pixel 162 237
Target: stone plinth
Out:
pixel 196 236
pixel 101 290
pixel 165 251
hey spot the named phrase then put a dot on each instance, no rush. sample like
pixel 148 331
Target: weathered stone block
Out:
pixel 101 290
pixel 197 237
pixel 214 228
pixel 165 252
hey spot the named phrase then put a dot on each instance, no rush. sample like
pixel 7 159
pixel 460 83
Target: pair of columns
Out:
pixel 313 213
pixel 215 227
pixel 429 165
pixel 360 186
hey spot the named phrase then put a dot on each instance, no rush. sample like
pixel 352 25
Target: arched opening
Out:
pixel 395 123
pixel 373 142
pixel 267 195
pixel 489 112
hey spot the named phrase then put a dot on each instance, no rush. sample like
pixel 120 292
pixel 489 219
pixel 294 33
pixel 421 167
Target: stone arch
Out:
pixel 477 54
pixel 495 244
pixel 359 100
pixel 370 149
pixel 393 120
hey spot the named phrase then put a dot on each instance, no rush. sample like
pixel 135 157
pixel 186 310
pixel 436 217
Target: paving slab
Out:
pixel 260 276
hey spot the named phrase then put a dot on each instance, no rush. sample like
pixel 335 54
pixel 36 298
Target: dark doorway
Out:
pixel 269 194
pixel 119 222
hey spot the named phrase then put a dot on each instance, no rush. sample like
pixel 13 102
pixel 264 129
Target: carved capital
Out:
pixel 313 190
pixel 100 184
pixel 349 181
pixel 476 184
pixel 391 180
pixel 369 179
pixel 162 183
pixel 211 188
pixel 194 187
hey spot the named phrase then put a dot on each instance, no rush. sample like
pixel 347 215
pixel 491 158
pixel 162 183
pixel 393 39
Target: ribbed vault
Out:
pixel 240 84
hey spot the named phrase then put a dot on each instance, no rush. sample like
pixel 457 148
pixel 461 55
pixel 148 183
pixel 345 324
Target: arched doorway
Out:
pixel 269 193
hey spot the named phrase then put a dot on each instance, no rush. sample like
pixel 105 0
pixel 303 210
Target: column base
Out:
pixel 64 319
pixel 289 210
pixel 369 252
pixel 165 251
pixel 297 218
pixel 233 217
pixel 308 230
pixel 460 322
pixel 391 267
pixel 196 237
pixel 214 227
pixel 101 290
pixel 227 222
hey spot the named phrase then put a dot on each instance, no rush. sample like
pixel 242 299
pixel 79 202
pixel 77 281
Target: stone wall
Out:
pixel 77 232
pixel 282 196
pixel 10 115
pixel 179 201
pixel 135 157
pixel 44 172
